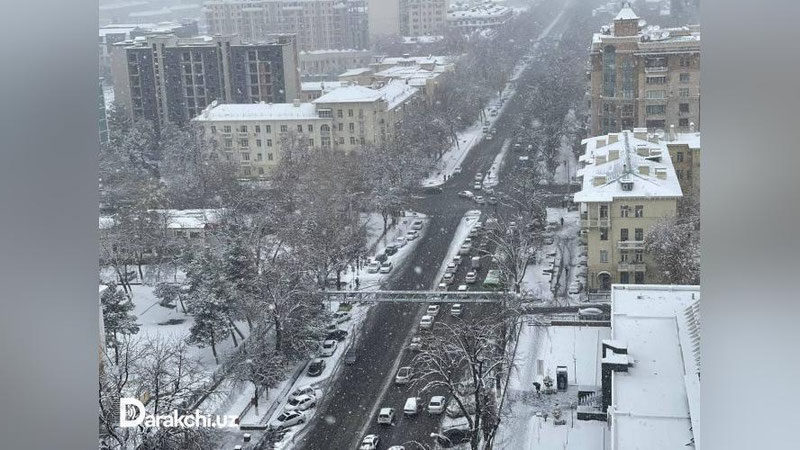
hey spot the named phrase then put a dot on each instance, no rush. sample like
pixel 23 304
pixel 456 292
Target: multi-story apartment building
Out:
pixel 383 18
pixel 644 77
pixel 318 24
pixel 345 119
pixel 628 184
pixel 168 79
pixel 467 17
pixel 684 150
pixel 407 17
pixel 325 64
pixel 102 122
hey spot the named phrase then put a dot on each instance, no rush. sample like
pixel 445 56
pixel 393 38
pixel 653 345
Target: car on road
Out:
pixel 370 442
pixel 373 267
pixel 288 419
pixel 316 367
pixel 301 403
pixel 386 267
pixel 341 316
pixel 575 287
pixel 328 348
pixel 442 286
pixel 471 277
pixel 305 390
pixel 411 408
pixel 457 260
pixel 390 249
pixel 350 357
pixel 416 225
pixel 386 416
pixel 493 114
pixel 396 447
pixel 466 194
pixel 480 200
pixel 451 268
pixel 412 234
pixel 467 240
pixel 475 261
pixel 489 136
pixel 492 200
pixel 477 186
pixel 456 309
pixel 465 249
pixel 433 310
pixel 448 278
pixel 403 375
pixel 462 288
pixel 478 176
pixel 436 405
pixel 426 322
pixel 416 344
pixel 336 335
pixel 401 241
pixel 485 130
pixel 457 170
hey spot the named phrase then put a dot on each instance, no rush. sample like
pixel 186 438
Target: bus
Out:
pixel 492 280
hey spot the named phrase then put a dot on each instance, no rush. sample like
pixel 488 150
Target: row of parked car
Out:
pixel 381 263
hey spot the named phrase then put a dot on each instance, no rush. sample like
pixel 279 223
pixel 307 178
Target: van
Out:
pixel 476 262
pixel 412 406
pixel 386 416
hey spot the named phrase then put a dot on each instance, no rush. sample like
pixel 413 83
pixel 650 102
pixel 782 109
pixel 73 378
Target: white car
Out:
pixel 400 241
pixel 489 136
pixel 466 194
pixel 341 316
pixel 457 260
pixel 426 322
pixel 416 344
pixel 305 390
pixel 456 309
pixel 471 277
pixel 451 268
pixel 465 249
pixel 436 405
pixel 448 278
pixel 467 241
pixel 403 376
pixel 412 405
pixel 433 310
pixel 416 225
pixel 386 416
pixel 480 200
pixel 370 442
pixel 288 419
pixel 442 286
pixel 412 234
pixel 386 267
pixel 301 403
pixel 396 447
pixel 373 267
pixel 462 288
pixel 477 186
pixel 328 348
pixel 478 176
pixel 457 170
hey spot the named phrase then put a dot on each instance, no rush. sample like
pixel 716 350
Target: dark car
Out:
pixel 336 335
pixel 316 367
pixel 381 257
pixel 350 356
pixel 390 249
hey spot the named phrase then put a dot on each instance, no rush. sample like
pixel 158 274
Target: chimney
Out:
pixel 644 170
pixel 612 138
pixel 642 150
pixel 598 180
pixel 296 103
pixel 613 155
pixel 671 132
pixel 640 133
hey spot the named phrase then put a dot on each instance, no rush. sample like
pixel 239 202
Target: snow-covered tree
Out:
pixel 674 244
pixel 118 319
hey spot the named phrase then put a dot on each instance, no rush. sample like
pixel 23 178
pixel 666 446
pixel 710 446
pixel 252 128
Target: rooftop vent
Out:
pixel 600 159
pixel 640 133
pixel 642 150
pixel 612 138
pixel 601 142
pixel 296 103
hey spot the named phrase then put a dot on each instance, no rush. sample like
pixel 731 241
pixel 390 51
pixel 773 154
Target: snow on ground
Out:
pixel 492 177
pixel 565 154
pixel 540 350
pixel 466 224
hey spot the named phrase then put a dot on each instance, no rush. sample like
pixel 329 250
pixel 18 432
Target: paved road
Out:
pixel 349 408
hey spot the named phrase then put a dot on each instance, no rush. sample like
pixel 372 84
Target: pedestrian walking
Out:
pixel 562 221
pixel 356 283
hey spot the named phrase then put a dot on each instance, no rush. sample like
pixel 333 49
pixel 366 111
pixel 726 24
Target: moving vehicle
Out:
pixel 492 280
pixel 370 442
pixel 288 419
pixel 479 200
pixel 477 186
pixel 341 316
pixel 478 176
pixel 403 375
pixel 466 194
pixel 416 344
pixel 328 348
pixel 471 277
pixel 456 309
pixel 457 260
pixel 301 403
pixel 412 405
pixel 373 267
pixel 316 367
pixel 448 278
pixel 465 249
pixel 451 268
pixel 457 170
pixel 462 288
pixel 426 322
pixel 386 416
pixel 433 310
pixel 436 405
pixel 386 267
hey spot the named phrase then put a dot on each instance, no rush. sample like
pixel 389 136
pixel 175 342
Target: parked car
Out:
pixel 457 260
pixel 381 257
pixel 341 316
pixel 492 200
pixel 590 312
pixel 475 261
pixel 436 405
pixel 448 278
pixel 471 277
pixel 305 390
pixel 456 309
pixel 386 267
pixel 485 130
pixel 457 170
pixel 412 234
pixel 401 241
pixel 480 200
pixel 465 249
pixel 477 186
pixel 288 419
pixel 466 194
pixel 462 288
pixel 412 406
pixel 386 416
pixel 336 335
pixel 316 367
pixel 373 267
pixel 301 403
pixel 478 176
pixel 433 310
pixel 396 447
pixel 426 322
pixel 350 357
pixel 416 344
pixel 403 375
pixel 328 348
pixel 417 224
pixel 390 249
pixel 370 442
pixel 451 268
pixel 467 241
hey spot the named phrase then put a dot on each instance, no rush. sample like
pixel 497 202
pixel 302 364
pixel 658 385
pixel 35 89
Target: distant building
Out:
pixel 318 24
pixel 102 122
pixel 644 77
pixel 312 90
pixel 326 64
pixel 628 184
pixel 467 17
pixel 651 368
pixel 345 119
pixel 407 17
pixel 168 79
pixel 417 71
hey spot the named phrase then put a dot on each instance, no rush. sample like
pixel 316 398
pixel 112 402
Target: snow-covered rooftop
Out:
pixel 393 93
pixel 647 165
pixel 355 72
pixel 176 218
pixel 258 111
pixel 485 11
pixel 407 73
pixel 655 405
pixel 320 85
pixel 396 92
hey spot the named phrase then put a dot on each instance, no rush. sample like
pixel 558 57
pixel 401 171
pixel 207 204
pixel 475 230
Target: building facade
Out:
pixel 628 184
pixel 644 77
pixel 684 150
pixel 423 17
pixel 327 64
pixel 467 18
pixel 345 119
pixel 318 24
pixel 168 79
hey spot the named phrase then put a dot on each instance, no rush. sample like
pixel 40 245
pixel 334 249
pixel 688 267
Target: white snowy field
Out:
pixel 540 350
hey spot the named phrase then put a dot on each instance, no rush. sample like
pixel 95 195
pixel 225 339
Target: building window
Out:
pixel 679 174
pixel 679 156
pixel 623 210
pixel 228 143
pixel 638 211
pixel 258 142
pixel 362 141
pixel 360 113
pixel 683 123
pixel 627 78
pixel 352 140
pixel 604 211
pixel 284 128
pixel 683 92
pixel 269 142
pixel 243 129
pixel 603 256
pixel 341 140
pixel 245 156
pixel 624 277
pixel 349 113
pixel 226 129
pixel 684 78
pixel 339 113
pixel 259 156
pixel 325 113
pixel 623 256
pixel 685 61
pixel 311 142
pixel 310 128
pixel 639 277
pixel 258 128
pixel 326 141
pixel 603 234
pixel 269 156
pixel 689 174
pixel 638 256
pixel 655 123
pixel 213 129
pixel 300 128
pixel 261 171
pixel 609 71
pixel 247 171
pixel 243 143
pixel 352 127
pixel 638 234
pixel 623 234
pixel 268 128
pixel 658 94
pixel 656 80
pixel 656 109
pixel 683 107
pixel 341 126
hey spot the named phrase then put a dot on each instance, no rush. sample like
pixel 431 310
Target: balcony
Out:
pixel 594 222
pixel 630 245
pixel 659 69
pixel 630 267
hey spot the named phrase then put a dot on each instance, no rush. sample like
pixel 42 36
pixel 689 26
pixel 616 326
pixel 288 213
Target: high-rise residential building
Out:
pixel 644 77
pixel 318 24
pixel 383 18
pixel 168 79
pixel 407 17
pixel 628 184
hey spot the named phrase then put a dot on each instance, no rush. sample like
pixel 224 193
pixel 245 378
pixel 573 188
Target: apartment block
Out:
pixel 164 78
pixel 467 17
pixel 628 184
pixel 326 64
pixel 684 150
pixel 407 17
pixel 318 24
pixel 344 119
pixel 644 76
